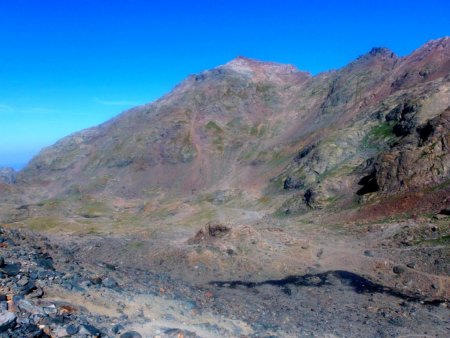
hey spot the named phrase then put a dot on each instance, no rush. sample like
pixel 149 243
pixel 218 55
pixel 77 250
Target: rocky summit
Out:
pixel 252 200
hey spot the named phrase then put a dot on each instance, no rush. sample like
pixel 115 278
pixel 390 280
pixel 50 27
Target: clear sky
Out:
pixel 70 64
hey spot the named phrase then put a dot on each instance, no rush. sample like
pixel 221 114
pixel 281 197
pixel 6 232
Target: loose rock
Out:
pixel 131 334
pixel 7 321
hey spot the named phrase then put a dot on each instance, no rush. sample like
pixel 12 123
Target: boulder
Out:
pixel 7 321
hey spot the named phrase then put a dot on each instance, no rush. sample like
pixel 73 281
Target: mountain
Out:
pixel 268 129
pixel 248 189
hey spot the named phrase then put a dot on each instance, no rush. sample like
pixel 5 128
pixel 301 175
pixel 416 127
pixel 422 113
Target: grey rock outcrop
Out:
pixel 7 175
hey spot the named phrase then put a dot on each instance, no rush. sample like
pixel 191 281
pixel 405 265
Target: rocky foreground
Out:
pixel 44 293
pixel 49 290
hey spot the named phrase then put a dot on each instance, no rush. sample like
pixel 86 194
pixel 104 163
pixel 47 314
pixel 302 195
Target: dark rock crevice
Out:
pixel 369 184
pixel 405 116
pixel 291 183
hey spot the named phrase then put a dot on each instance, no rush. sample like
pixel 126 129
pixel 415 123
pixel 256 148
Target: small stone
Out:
pixel 116 329
pixel 398 269
pixel 86 284
pixel 411 265
pixel 45 262
pixel 109 282
pixel 59 332
pixel 110 266
pixel 397 321
pixel 23 281
pixel 89 330
pixel 319 253
pixel 11 270
pixel 230 252
pixel 7 321
pixel 24 321
pixel 368 253
pixel 51 309
pixel 96 280
pixel 36 293
pixel 72 329
pixel 131 334
pixel 26 306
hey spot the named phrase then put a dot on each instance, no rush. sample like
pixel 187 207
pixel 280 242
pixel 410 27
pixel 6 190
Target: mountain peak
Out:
pixel 245 65
pixel 381 51
pixel 377 55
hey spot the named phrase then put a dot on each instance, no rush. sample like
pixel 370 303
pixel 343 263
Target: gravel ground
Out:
pixel 46 291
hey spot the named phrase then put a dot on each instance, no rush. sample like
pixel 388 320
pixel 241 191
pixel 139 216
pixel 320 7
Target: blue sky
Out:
pixel 67 65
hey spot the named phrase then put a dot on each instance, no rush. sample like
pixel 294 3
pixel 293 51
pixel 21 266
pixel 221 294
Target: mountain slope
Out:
pixel 268 129
pixel 252 186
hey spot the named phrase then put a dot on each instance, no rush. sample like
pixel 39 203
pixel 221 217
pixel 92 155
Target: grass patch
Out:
pixel 250 153
pixel 383 130
pixel 332 199
pixel 214 127
pixel 93 209
pixel 444 240
pixel 258 130
pixel 53 204
pixel 136 245
pixel 378 136
pixel 92 231
pixel 201 217
pixel 43 223
pixel 280 214
pixel 342 169
pixel 278 158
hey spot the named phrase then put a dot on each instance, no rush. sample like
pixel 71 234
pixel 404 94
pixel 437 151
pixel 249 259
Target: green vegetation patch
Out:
pixel 258 130
pixel 379 136
pixel 43 223
pixel 136 244
pixel 251 152
pixel 383 130
pixel 214 127
pixel 444 240
pixel 201 217
pixel 93 209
